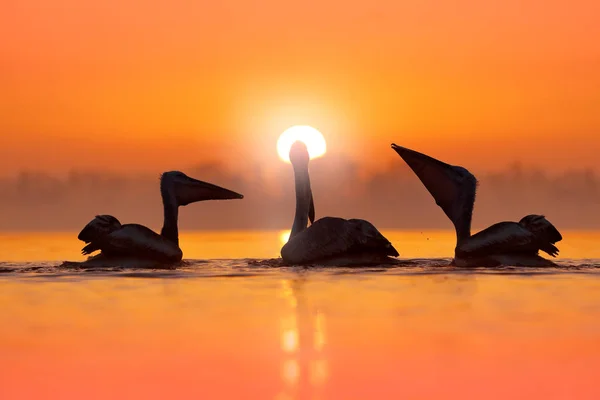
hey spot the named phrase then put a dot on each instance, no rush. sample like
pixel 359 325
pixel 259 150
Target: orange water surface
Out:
pixel 297 334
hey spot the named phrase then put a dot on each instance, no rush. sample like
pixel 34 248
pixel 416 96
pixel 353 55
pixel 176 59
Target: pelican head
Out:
pixel 299 154
pixel 185 190
pixel 99 226
pixel 539 225
pixel 452 187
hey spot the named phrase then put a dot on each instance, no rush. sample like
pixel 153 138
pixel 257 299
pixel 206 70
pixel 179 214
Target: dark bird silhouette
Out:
pixel 504 243
pixel 137 244
pixel 329 240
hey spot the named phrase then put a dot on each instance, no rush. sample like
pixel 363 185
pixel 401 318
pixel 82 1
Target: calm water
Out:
pixel 232 326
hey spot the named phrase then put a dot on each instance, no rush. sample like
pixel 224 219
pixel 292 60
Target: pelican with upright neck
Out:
pixel 305 209
pixel 134 241
pixel 329 240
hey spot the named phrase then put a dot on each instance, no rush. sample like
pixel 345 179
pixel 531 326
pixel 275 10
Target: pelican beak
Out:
pixel 435 175
pixel 419 162
pixel 193 190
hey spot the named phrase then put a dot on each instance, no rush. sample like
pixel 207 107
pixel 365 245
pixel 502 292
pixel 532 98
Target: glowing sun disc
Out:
pixel 312 138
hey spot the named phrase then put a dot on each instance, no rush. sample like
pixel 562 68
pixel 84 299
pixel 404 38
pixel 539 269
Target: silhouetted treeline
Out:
pixel 393 199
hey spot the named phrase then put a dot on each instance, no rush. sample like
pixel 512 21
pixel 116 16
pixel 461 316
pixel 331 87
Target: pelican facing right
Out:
pixel 502 244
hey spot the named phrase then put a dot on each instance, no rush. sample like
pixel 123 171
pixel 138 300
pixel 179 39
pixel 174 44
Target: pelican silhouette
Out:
pixel 137 244
pixel 329 240
pixel 504 243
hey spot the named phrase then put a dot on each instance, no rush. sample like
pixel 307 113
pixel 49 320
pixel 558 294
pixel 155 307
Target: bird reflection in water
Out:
pixel 304 369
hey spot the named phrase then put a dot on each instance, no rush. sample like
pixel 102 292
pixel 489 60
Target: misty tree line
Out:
pixel 392 199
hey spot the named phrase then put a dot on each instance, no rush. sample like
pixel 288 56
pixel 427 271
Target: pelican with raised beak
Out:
pixel 138 245
pixel 502 244
pixel 329 240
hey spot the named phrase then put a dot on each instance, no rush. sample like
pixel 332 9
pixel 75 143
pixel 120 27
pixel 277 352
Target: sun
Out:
pixel 284 236
pixel 312 138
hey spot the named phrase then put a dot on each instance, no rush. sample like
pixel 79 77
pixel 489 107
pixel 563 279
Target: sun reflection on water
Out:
pixel 318 372
pixel 291 372
pixel 319 337
pixel 289 340
pixel 288 294
pixel 303 369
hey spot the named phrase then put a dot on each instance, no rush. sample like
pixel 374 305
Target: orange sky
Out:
pixel 148 86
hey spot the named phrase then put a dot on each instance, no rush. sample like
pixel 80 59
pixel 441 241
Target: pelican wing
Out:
pixel 100 226
pixel 133 240
pixel 329 237
pixel 504 238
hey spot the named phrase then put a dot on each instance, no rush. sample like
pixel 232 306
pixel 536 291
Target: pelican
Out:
pixel 134 242
pixel 502 244
pixel 329 240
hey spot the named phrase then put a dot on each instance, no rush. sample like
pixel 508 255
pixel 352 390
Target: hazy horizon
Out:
pixel 391 199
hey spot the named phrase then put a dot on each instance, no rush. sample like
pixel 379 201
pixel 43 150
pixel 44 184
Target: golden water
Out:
pixel 297 334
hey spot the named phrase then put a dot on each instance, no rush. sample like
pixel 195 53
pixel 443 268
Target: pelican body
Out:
pixel 502 244
pixel 329 240
pixel 136 243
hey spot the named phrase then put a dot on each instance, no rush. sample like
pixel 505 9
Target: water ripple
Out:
pixel 247 268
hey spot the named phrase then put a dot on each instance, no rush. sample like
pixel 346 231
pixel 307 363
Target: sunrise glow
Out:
pixel 284 236
pixel 312 138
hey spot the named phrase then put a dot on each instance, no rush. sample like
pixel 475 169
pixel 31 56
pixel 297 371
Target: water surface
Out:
pixel 229 325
